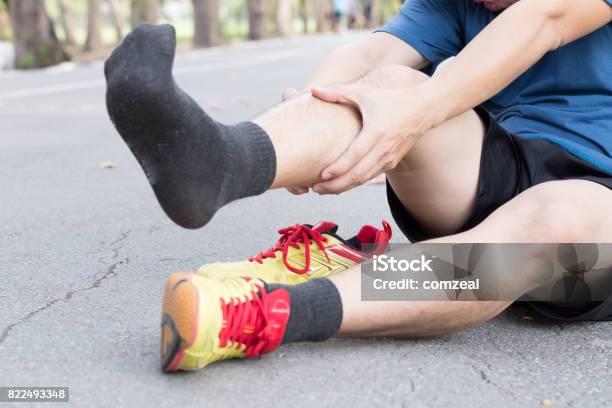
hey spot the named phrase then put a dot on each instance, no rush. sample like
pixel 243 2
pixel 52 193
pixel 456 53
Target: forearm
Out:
pixel 495 58
pixel 353 61
pixel 343 65
pixel 510 45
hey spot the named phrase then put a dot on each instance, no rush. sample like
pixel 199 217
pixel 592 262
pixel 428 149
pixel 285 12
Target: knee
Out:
pixel 550 218
pixel 394 76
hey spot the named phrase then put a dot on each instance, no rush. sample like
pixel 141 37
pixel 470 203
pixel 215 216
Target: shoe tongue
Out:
pixel 325 227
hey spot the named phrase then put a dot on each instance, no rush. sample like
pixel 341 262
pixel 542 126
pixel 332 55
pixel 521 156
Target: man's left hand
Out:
pixel 392 122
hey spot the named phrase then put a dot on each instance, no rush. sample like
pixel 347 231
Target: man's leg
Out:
pixel 436 181
pixel 196 165
pixel 553 212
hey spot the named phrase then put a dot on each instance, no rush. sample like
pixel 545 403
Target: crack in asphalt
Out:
pixel 111 271
pixel 486 378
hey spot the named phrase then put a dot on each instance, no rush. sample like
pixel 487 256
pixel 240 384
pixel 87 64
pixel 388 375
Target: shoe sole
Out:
pixel 180 314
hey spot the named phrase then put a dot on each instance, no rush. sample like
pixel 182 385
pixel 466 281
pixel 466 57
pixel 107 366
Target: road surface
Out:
pixel 85 252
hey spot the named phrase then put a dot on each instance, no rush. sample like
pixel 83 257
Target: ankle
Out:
pixel 251 154
pixel 316 311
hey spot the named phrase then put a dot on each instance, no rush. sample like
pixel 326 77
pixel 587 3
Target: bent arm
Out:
pixel 351 62
pixel 507 47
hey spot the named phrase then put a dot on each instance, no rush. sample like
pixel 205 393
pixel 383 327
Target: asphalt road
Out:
pixel 85 252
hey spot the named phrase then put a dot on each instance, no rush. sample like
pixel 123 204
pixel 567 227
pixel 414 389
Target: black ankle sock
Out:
pixel 194 164
pixel 316 311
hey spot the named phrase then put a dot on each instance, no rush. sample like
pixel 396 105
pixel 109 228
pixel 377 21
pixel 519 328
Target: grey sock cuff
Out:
pixel 251 149
pixel 316 311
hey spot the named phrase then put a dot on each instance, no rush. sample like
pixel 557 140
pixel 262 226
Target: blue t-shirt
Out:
pixel 565 98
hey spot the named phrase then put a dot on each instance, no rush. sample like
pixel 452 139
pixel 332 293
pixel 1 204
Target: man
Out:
pixel 511 142
pixel 368 12
pixel 340 8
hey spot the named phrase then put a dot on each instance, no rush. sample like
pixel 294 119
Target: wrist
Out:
pixel 437 101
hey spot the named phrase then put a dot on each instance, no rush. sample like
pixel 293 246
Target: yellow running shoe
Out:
pixel 207 320
pixel 306 252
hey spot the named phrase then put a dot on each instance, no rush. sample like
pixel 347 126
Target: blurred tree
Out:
pixel 284 17
pixel 4 22
pixel 145 11
pixel 385 9
pixel 206 22
pixel 67 21
pixel 117 17
pixel 257 19
pixel 303 13
pixel 93 43
pixel 34 38
pixel 323 10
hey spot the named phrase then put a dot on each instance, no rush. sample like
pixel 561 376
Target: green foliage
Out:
pixel 5 32
pixel 26 61
pixel 40 56
pixel 233 16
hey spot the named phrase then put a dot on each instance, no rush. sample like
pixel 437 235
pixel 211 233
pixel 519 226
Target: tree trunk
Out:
pixel 117 18
pixel 257 19
pixel 67 21
pixel 206 23
pixel 284 18
pixel 304 14
pixel 322 10
pixel 34 38
pixel 145 11
pixel 93 42
pixel 4 23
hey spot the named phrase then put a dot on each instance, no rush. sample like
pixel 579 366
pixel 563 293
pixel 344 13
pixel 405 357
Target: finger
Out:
pixel 346 94
pixel 368 168
pixel 362 145
pixel 298 190
pixel 290 93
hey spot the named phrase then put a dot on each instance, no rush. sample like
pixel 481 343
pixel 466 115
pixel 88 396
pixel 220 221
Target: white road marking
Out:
pixel 51 89
pixel 77 86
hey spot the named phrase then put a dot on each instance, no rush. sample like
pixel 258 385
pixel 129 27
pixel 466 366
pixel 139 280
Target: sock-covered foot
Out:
pixel 207 320
pixel 194 164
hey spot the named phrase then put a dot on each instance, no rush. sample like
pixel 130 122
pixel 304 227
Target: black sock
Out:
pixel 316 311
pixel 194 164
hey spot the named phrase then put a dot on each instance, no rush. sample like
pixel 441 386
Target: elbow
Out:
pixel 551 9
pixel 359 52
pixel 554 35
pixel 551 13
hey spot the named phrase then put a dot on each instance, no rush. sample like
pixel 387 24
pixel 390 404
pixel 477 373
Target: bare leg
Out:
pixel 533 216
pixel 195 165
pixel 307 135
pixel 437 180
pixel 439 192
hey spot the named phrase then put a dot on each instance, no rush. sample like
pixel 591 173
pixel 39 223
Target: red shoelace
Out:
pixel 292 237
pixel 246 323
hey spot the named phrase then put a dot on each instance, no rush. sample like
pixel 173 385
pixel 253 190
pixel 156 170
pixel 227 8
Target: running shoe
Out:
pixel 305 252
pixel 207 320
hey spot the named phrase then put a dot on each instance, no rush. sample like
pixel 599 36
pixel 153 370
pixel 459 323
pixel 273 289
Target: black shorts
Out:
pixel 509 165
